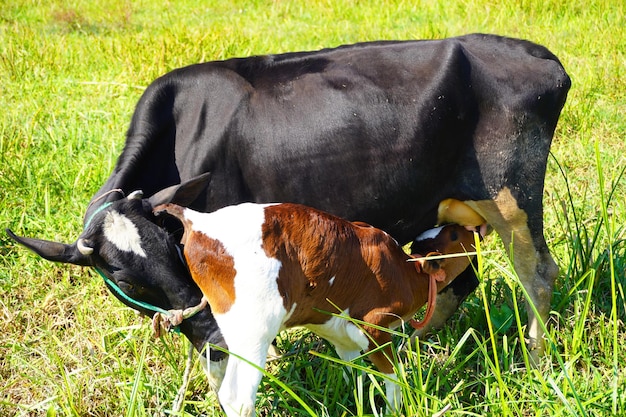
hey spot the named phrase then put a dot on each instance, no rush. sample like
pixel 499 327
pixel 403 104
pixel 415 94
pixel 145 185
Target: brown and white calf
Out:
pixel 268 267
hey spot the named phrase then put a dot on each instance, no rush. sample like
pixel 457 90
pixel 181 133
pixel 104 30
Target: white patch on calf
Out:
pixel 393 392
pixel 238 227
pixel 430 234
pixel 257 314
pixel 120 231
pixel 347 338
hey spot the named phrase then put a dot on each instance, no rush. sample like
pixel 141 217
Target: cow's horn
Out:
pixel 53 251
pixel 136 195
pixel 83 247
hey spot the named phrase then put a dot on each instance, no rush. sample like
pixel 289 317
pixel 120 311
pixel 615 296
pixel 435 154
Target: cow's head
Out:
pixel 123 242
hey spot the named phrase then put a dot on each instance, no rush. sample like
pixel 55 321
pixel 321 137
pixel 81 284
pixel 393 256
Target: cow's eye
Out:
pixel 126 287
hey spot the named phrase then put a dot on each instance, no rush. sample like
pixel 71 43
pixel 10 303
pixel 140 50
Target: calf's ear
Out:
pixel 434 267
pixel 182 194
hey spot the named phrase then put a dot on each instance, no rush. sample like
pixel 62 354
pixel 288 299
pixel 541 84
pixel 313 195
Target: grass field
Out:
pixel 70 75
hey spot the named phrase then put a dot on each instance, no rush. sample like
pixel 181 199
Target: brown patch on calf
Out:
pixel 310 249
pixel 213 269
pixel 330 265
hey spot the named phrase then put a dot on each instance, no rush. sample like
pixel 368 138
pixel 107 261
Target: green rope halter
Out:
pixel 170 315
pixel 131 300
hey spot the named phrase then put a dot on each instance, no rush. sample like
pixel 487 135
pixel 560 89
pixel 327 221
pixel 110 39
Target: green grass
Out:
pixel 70 75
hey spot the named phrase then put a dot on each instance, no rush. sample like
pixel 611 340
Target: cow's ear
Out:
pixel 182 194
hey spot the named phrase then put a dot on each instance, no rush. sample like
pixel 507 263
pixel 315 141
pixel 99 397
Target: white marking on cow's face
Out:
pixel 120 231
pixel 331 281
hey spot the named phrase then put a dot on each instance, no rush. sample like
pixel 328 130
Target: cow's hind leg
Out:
pixel 522 234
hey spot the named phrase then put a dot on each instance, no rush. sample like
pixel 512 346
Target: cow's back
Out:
pixel 379 132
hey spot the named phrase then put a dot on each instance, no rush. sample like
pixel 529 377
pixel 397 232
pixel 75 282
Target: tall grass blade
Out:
pixel 138 381
pixel 552 344
pixel 610 231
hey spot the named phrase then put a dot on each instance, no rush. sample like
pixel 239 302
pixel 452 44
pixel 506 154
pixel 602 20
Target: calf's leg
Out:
pixel 382 360
pixel 448 301
pixel 237 393
pixel 248 329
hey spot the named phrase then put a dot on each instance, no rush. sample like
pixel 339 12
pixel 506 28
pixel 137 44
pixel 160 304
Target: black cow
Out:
pixel 380 132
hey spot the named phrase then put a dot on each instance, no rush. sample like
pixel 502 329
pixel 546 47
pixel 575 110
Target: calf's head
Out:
pixel 447 239
pixel 122 241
